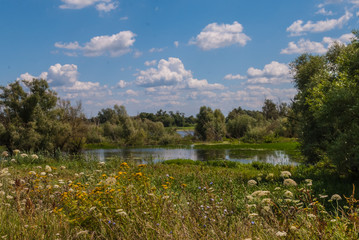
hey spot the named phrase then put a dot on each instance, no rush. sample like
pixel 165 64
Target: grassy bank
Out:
pixel 44 198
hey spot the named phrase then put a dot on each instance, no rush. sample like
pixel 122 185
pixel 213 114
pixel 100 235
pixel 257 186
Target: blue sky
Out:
pixel 173 55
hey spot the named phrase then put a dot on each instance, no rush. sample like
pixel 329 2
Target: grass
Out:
pixel 74 198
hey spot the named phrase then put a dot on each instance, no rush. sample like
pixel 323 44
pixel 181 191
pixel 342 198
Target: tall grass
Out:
pixel 45 198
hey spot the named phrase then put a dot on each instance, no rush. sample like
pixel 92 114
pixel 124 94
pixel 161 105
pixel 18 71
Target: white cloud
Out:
pixel 131 92
pixel 137 54
pixel 114 45
pixel 121 84
pixel 306 46
pixel 152 50
pixel 216 35
pixel 324 12
pixel 171 74
pixel 298 28
pixel 63 78
pixel 176 43
pixel 101 5
pixel 124 18
pixel 106 7
pixel 273 73
pixel 151 63
pixel 234 77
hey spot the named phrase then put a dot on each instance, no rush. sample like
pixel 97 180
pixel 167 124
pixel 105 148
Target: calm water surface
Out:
pixel 162 154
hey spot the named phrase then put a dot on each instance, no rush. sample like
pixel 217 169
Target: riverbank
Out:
pixel 45 198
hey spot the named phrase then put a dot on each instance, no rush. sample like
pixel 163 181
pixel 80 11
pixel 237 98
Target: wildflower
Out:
pixel 253 215
pixel 310 215
pixel 165 197
pixel 336 197
pixel 13 160
pixel 34 156
pixel 62 167
pixel 2 193
pixel 48 168
pixel 260 193
pixel 277 188
pixel 285 174
pixel 23 155
pixel 183 185
pixel 16 151
pixel 266 210
pixel 252 182
pixel 32 173
pixel 56 186
pixel 281 234
pixel 323 196
pixel 111 181
pixel 0 184
pixel 249 206
pixel 288 194
pixel 101 163
pixel 9 197
pixel 42 173
pixel 266 201
pixel 289 182
pixel 5 154
pixel 309 182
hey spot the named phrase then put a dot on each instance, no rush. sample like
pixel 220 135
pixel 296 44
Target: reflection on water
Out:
pixel 161 154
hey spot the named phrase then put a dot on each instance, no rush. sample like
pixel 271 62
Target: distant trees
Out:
pixel 31 120
pixel 210 125
pixel 327 105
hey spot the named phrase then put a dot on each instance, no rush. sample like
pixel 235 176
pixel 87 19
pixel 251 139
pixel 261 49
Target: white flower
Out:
pixel 323 196
pixel 309 182
pixel 34 156
pixel 2 193
pixel 48 168
pixel 32 173
pixel 281 234
pixel 260 193
pixel 101 163
pixel 285 174
pixel 289 182
pixel 42 173
pixel 252 182
pixel 288 194
pixel 111 181
pixel 13 160
pixel 23 155
pixel 266 201
pixel 336 197
pixel 293 228
pixel 5 154
pixel 9 197
pixel 62 167
pixel 56 186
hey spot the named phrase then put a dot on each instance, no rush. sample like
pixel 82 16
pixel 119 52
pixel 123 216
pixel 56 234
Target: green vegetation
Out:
pixel 327 106
pixel 73 198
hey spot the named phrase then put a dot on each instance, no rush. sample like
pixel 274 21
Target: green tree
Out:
pixel 327 105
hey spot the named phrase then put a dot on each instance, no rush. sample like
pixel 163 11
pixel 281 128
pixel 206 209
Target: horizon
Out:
pixel 175 56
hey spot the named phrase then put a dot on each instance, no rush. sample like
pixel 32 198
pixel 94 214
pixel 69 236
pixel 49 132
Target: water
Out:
pixel 184 133
pixel 162 154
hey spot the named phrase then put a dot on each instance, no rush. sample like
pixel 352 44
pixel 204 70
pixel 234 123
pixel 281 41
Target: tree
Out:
pixel 270 110
pixel 205 120
pixel 327 105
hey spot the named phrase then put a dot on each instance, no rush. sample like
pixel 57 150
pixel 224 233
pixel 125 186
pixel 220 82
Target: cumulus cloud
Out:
pixel 121 84
pixel 273 73
pixel 151 63
pixel 114 45
pixel 176 43
pixel 299 28
pixel 131 92
pixel 216 35
pixel 307 46
pixel 234 77
pixel 172 73
pixel 63 78
pixel 304 46
pixel 101 5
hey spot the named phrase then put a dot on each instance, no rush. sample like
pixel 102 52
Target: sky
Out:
pixel 172 55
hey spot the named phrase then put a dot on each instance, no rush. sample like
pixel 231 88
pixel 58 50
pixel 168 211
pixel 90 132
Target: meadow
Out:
pixel 76 198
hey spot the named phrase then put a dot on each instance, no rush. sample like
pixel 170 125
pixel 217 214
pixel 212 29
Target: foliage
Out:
pixel 327 105
pixel 210 125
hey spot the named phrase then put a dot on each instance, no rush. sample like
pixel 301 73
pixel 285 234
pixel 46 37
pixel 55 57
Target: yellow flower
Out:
pixel 164 186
